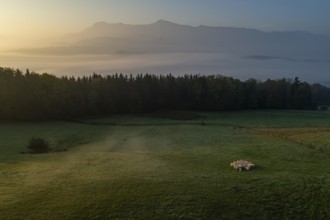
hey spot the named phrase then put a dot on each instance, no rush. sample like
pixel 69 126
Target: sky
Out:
pixel 40 23
pixel 43 18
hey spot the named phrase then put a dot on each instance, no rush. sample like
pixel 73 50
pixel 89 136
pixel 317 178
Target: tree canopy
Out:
pixel 32 96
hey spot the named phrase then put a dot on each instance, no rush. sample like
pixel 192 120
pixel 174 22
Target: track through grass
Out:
pixel 176 171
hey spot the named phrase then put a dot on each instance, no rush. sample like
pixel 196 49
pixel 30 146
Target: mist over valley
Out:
pixel 164 47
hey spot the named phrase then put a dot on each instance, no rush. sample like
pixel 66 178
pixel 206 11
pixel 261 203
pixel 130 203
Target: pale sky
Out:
pixel 42 23
pixel 41 18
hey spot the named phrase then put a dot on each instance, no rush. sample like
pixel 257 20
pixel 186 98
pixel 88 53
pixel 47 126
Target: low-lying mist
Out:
pixel 242 67
pixel 164 47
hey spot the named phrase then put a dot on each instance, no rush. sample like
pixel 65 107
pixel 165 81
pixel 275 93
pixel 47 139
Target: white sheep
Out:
pixel 242 164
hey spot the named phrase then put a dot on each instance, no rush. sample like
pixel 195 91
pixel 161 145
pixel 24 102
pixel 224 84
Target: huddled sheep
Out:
pixel 242 164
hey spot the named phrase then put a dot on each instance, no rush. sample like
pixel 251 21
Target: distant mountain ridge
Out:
pixel 167 37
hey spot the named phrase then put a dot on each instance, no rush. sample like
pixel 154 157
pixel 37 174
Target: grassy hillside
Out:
pixel 133 167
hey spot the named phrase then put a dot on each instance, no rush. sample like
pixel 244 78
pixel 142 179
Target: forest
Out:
pixel 33 96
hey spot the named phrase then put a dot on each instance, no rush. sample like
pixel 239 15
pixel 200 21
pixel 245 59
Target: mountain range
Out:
pixel 165 47
pixel 167 37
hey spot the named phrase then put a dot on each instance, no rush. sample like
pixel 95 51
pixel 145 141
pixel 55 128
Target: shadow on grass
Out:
pixel 256 168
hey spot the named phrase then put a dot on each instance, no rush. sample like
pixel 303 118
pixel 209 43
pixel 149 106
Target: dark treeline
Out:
pixel 31 96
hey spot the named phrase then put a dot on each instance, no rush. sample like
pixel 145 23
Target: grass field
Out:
pixel 133 167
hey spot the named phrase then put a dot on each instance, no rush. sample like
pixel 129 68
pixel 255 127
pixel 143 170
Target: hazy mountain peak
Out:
pixel 165 23
pixel 162 21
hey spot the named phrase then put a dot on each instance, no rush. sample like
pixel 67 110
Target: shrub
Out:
pixel 38 146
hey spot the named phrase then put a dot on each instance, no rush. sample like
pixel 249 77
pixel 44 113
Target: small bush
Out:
pixel 38 146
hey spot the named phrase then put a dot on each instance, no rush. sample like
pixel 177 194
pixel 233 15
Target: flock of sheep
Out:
pixel 242 165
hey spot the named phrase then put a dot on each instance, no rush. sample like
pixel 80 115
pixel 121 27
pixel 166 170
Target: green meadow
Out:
pixel 149 167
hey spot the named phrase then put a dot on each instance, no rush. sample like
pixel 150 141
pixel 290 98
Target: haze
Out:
pixel 27 25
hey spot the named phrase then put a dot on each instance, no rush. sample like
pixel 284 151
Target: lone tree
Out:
pixel 38 146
